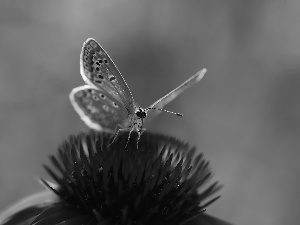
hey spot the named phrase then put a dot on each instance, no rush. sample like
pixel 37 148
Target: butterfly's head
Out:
pixel 141 113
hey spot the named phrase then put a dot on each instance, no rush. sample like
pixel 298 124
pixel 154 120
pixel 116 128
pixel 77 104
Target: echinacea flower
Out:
pixel 163 182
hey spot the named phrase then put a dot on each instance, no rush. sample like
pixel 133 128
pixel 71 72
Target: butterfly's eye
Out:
pixel 141 114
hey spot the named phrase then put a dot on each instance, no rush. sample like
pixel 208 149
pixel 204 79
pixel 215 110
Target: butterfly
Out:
pixel 105 103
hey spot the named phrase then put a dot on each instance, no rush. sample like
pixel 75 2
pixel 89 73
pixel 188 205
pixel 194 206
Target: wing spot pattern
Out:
pixel 95 98
pixel 89 48
pixel 87 66
pixel 100 76
pixel 86 58
pixel 99 62
pixel 112 78
pixel 98 81
pixel 102 96
pixel 115 105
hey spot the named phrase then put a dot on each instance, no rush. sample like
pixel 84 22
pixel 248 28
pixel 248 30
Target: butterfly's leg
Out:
pixel 117 130
pixel 129 136
pixel 139 136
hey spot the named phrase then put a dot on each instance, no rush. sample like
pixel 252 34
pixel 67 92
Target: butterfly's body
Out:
pixel 106 103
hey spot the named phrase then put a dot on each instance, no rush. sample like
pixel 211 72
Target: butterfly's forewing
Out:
pixel 160 103
pixel 97 109
pixel 98 70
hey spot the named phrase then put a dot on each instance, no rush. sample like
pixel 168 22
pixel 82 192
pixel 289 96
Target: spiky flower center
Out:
pixel 158 183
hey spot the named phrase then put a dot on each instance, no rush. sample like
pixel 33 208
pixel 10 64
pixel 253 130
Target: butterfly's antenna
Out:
pixel 177 114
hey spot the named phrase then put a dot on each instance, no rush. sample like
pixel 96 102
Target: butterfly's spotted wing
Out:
pixel 98 70
pixel 97 109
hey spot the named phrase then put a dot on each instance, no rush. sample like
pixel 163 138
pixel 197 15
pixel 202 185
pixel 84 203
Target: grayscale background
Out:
pixel 244 115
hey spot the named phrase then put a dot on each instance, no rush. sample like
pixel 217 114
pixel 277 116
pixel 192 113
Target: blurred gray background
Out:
pixel 244 115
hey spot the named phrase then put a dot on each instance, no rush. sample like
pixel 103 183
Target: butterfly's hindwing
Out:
pixel 97 109
pixel 98 70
